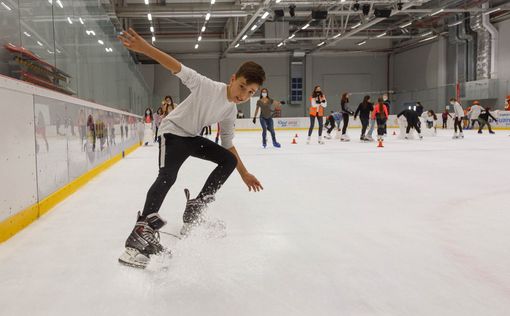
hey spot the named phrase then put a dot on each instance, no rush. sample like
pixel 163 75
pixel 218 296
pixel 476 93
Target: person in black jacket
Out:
pixel 346 111
pixel 364 109
pixel 412 122
pixel 483 120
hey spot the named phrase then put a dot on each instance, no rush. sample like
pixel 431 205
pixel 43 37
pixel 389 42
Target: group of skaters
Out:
pixel 152 121
pixel 370 114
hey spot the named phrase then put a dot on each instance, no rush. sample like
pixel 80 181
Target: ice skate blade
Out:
pixel 133 258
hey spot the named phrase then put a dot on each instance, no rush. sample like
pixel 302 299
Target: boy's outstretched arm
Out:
pixel 132 41
pixel 251 181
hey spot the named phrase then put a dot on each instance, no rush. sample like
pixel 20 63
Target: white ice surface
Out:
pixel 414 228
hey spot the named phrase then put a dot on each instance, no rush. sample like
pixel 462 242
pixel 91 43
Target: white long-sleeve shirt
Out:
pixel 459 112
pixel 475 111
pixel 206 105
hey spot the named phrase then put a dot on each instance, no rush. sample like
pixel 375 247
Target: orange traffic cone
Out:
pixel 294 141
pixel 380 145
pixel 394 133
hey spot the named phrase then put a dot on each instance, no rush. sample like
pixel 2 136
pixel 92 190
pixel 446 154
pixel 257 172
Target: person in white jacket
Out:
pixel 474 113
pixel 458 115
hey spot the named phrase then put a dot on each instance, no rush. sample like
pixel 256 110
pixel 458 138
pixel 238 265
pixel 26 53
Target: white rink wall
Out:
pixel 46 141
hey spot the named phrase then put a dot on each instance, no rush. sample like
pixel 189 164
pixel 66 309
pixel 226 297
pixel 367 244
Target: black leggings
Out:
pixel 412 124
pixel 445 125
pixel 312 124
pixel 457 123
pixel 364 125
pixel 345 118
pixel 331 123
pixel 381 125
pixel 173 151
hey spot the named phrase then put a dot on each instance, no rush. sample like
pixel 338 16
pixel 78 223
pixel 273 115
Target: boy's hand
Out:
pixel 132 41
pixel 252 182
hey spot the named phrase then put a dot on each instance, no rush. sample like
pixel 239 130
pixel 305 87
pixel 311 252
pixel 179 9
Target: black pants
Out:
pixel 381 125
pixel 473 123
pixel 457 124
pixel 482 123
pixel 331 123
pixel 312 124
pixel 364 125
pixel 413 124
pixel 345 118
pixel 173 151
pixel 445 125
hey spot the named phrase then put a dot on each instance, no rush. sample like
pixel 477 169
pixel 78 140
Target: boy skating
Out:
pixel 209 102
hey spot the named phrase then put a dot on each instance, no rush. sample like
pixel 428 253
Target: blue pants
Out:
pixel 267 124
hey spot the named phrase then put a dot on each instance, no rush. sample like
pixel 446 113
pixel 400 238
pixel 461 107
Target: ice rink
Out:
pixel 414 228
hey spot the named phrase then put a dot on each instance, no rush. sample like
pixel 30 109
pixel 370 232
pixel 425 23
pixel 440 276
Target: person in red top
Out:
pixel 507 106
pixel 380 114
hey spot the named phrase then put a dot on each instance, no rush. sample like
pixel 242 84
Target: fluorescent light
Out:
pixel 426 34
pixel 81 20
pixel 100 42
pixel 428 39
pixel 455 23
pixel 213 1
pixel 362 43
pixel 278 1
pixel 306 26
pixel 149 16
pixel 406 25
pixel 49 51
pixel 321 43
pixel 493 10
pixel 356 26
pixel 58 51
pixel 39 43
pixel 253 28
pixel 337 36
pixel 203 28
pixel 147 2
pixel 196 46
pixel 107 50
pixel 265 15
pixel 27 34
pixel 60 4
pixel 292 36
pixel 6 6
pixel 152 29
pixel 237 45
pixel 381 35
pixel 154 38
pixel 245 37
pixel 69 20
pixel 200 38
pixel 50 1
pixel 207 16
pixel 437 12
pixel 93 33
pixel 280 44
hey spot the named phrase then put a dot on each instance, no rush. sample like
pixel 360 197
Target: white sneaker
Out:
pixel 308 140
pixel 345 138
pixel 321 142
pixel 327 136
pixel 455 136
pixel 421 137
pixel 461 135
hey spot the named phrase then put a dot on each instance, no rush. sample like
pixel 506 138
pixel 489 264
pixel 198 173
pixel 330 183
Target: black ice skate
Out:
pixel 192 216
pixel 143 241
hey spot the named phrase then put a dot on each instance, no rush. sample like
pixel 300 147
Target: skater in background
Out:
pixel 363 110
pixel 333 121
pixel 148 120
pixel 387 102
pixel 380 114
pixel 240 114
pixel 317 104
pixel 483 120
pixel 445 116
pixel 157 121
pixel 458 115
pixel 209 102
pixel 431 119
pixel 507 105
pixel 346 111
pixel 265 105
pixel 168 105
pixel 413 120
pixel 474 113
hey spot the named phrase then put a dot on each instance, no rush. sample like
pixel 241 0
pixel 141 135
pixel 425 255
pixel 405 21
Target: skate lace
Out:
pixel 151 236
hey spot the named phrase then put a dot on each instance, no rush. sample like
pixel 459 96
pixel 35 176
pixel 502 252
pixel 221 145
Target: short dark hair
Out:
pixel 252 72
